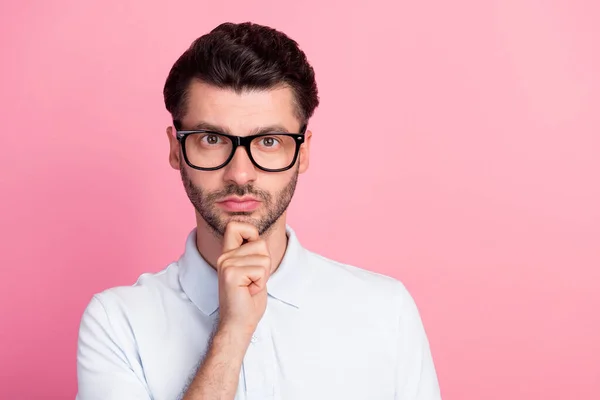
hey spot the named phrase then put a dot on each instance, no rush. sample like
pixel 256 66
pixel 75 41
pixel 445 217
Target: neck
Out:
pixel 210 246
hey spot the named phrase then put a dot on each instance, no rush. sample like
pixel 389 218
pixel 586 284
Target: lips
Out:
pixel 239 204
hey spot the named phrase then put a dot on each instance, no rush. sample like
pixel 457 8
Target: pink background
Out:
pixel 457 148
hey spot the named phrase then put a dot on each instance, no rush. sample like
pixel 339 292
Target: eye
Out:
pixel 212 139
pixel 269 141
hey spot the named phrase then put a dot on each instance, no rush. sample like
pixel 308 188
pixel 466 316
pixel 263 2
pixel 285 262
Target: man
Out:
pixel 246 312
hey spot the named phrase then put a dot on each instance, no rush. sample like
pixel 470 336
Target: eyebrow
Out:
pixel 257 131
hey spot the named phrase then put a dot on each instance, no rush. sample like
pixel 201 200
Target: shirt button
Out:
pixel 254 339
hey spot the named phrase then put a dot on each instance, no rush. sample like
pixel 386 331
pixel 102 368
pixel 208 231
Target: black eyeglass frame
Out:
pixel 245 142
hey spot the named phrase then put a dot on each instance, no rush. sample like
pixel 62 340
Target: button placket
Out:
pixel 258 365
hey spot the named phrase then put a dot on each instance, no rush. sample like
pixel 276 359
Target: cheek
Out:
pixel 207 180
pixel 275 182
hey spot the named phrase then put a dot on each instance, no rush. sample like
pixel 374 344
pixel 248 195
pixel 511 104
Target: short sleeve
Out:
pixel 416 374
pixel 104 367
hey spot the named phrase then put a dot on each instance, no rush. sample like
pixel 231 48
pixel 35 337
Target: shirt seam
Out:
pixel 155 274
pixel 351 266
pixel 110 325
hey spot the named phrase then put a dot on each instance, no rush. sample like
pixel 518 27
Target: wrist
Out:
pixel 233 337
pixel 236 330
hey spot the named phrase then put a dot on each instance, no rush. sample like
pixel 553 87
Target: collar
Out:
pixel 288 284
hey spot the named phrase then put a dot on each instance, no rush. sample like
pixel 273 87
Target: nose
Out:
pixel 240 169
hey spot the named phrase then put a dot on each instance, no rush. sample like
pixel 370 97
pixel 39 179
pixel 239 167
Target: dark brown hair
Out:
pixel 243 56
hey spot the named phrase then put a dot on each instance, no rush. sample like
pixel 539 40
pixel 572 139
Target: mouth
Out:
pixel 239 204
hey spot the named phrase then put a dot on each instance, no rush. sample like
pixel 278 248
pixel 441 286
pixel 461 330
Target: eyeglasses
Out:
pixel 271 152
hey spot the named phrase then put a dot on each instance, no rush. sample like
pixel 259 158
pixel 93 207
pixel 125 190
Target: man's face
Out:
pixel 216 194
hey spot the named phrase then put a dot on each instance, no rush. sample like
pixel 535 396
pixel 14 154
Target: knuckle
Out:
pixel 226 260
pixel 266 265
pixel 226 263
pixel 222 259
pixel 229 274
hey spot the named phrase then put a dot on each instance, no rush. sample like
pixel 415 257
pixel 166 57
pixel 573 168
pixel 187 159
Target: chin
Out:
pixel 241 217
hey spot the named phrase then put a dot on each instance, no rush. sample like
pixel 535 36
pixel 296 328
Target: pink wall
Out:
pixel 457 148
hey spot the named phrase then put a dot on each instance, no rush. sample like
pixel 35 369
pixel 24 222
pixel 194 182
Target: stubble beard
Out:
pixel 216 219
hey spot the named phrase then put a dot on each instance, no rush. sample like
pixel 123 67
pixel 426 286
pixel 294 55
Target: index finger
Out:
pixel 236 233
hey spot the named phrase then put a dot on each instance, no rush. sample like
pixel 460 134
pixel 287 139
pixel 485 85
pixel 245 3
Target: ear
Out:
pixel 304 154
pixel 174 148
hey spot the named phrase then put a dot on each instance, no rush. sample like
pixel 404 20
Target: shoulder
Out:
pixel 359 284
pixel 151 290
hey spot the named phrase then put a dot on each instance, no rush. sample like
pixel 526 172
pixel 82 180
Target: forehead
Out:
pixel 240 113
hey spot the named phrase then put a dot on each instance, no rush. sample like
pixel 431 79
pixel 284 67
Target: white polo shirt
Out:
pixel 330 331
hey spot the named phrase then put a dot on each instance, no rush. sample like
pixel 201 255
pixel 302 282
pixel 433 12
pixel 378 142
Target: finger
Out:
pixel 258 247
pixel 244 275
pixel 235 234
pixel 255 260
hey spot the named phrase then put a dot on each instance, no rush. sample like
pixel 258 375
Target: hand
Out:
pixel 243 270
